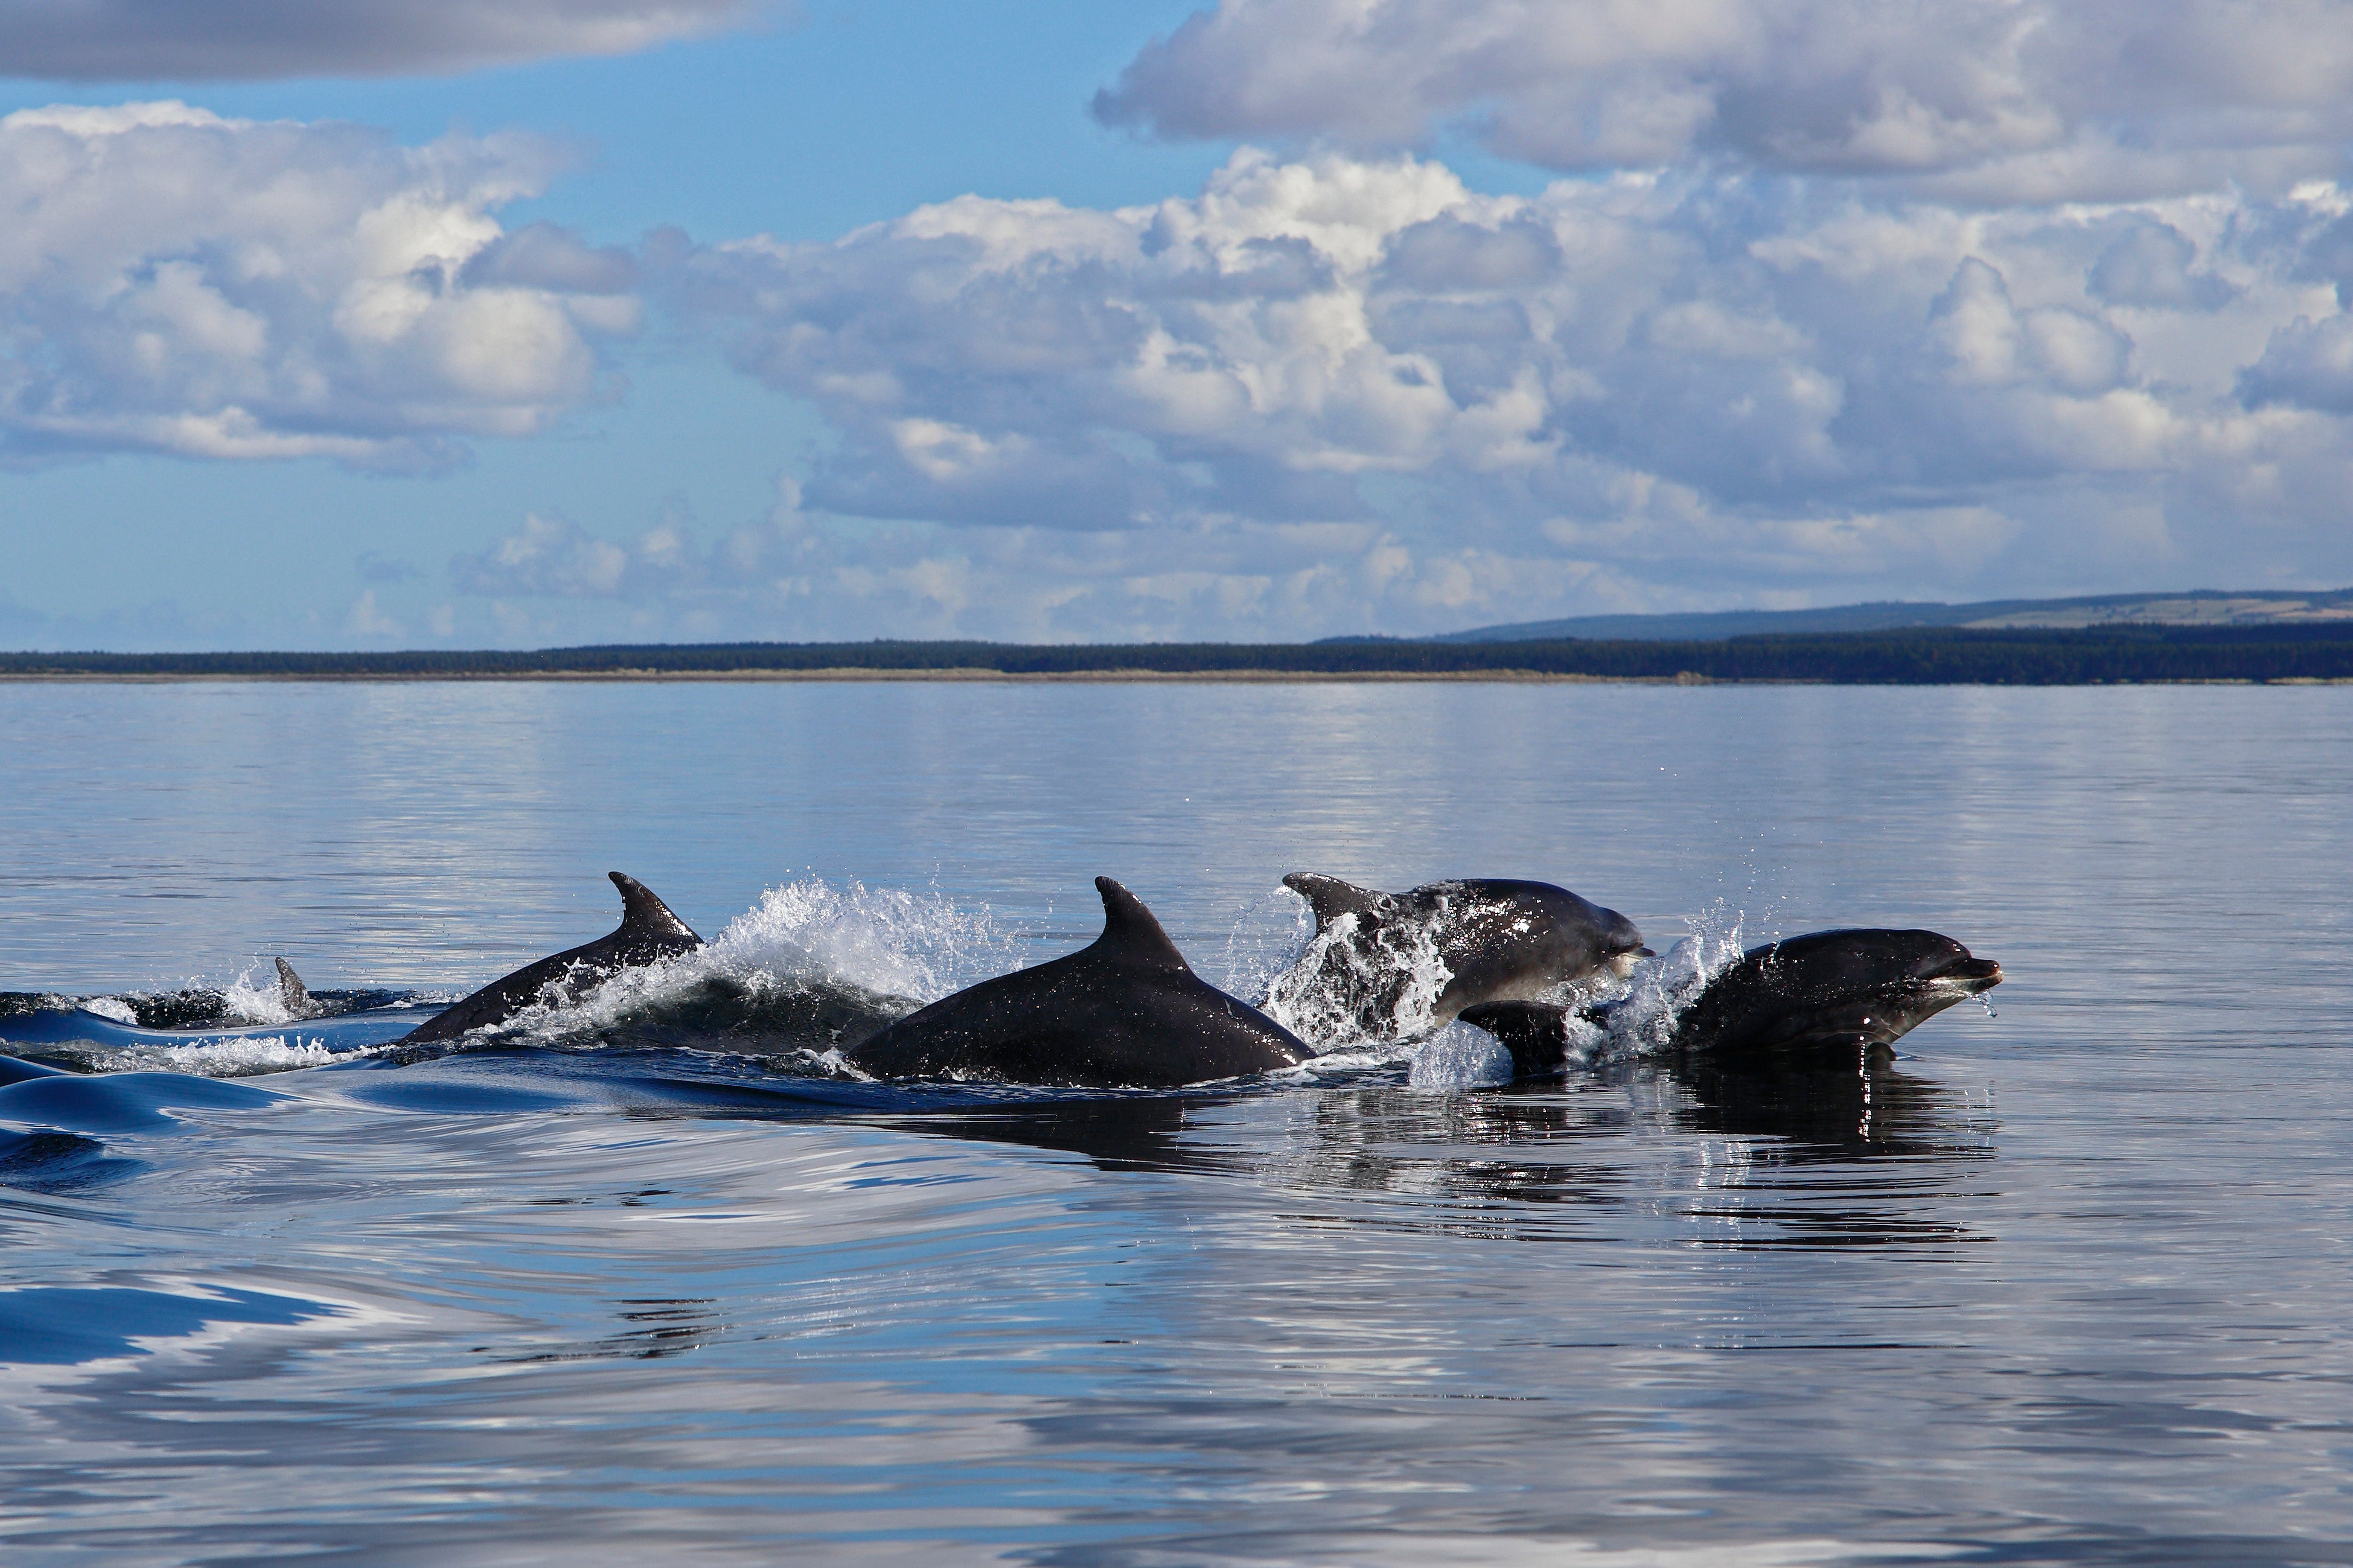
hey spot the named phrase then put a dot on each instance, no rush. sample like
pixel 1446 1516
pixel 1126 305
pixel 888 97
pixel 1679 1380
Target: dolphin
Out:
pixel 648 932
pixel 1805 997
pixel 1500 940
pixel 294 995
pixel 1127 1011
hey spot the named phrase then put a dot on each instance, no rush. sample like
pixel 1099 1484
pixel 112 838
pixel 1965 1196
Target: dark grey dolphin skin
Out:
pixel 1810 995
pixel 648 932
pixel 1123 1011
pixel 294 995
pixel 1504 941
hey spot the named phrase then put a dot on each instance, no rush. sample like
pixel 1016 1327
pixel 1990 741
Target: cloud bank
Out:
pixel 172 281
pixel 1332 394
pixel 147 40
pixel 1983 102
pixel 1834 300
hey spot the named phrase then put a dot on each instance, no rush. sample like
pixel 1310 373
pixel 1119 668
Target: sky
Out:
pixel 396 324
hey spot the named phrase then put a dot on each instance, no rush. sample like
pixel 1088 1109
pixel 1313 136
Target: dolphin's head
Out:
pixel 1621 943
pixel 1836 986
pixel 1855 963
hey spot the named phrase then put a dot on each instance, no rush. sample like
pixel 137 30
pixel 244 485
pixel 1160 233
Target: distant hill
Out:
pixel 2200 607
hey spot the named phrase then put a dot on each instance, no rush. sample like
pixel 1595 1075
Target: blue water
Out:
pixel 2070 1283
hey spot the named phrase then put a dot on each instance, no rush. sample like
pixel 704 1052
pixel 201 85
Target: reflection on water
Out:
pixel 2067 1284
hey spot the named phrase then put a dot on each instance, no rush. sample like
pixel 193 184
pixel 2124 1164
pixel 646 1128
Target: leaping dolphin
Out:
pixel 1125 1012
pixel 648 932
pixel 1806 997
pixel 1500 940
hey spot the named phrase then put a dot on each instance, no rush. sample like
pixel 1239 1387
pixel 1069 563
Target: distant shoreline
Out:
pixel 2125 655
pixel 853 676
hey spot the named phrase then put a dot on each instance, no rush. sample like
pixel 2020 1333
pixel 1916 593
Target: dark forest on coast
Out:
pixel 1911 656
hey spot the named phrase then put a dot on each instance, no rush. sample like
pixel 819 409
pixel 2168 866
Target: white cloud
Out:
pixel 1984 100
pixel 1333 393
pixel 124 40
pixel 174 282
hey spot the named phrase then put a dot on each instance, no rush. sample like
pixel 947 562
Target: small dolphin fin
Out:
pixel 645 918
pixel 1331 898
pixel 292 992
pixel 1132 931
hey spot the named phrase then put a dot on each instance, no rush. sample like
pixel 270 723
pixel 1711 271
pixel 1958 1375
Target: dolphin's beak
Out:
pixel 1971 974
pixel 1642 952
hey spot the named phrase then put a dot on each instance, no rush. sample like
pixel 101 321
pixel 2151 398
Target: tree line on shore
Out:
pixel 1911 655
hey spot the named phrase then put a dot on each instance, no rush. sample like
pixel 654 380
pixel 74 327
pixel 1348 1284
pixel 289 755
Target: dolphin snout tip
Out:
pixel 1976 973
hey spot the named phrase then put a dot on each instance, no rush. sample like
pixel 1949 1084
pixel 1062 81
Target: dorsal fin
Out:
pixel 291 991
pixel 1331 898
pixel 1131 932
pixel 646 918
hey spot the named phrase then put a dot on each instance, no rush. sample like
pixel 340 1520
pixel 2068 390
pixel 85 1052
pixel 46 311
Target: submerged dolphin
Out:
pixel 648 932
pixel 1500 940
pixel 1125 1011
pixel 1832 990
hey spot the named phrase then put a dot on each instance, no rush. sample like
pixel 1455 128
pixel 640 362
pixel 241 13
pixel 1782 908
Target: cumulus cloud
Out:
pixel 1988 100
pixel 120 40
pixel 174 282
pixel 1334 394
pixel 2308 364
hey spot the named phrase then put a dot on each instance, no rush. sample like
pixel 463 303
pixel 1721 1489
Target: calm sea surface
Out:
pixel 2072 1283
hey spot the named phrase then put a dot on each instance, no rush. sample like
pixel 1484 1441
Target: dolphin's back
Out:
pixel 648 932
pixel 1125 1011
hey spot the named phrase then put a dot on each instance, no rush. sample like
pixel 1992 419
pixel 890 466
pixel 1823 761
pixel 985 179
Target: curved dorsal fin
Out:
pixel 1331 898
pixel 291 991
pixel 1131 932
pixel 645 917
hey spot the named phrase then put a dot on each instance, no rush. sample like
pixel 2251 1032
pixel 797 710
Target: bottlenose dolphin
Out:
pixel 648 932
pixel 1500 940
pixel 1808 996
pixel 1125 1011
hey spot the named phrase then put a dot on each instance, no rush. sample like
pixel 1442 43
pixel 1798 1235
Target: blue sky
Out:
pixel 409 323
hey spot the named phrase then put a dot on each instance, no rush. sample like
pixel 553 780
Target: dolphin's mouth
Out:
pixel 1967 975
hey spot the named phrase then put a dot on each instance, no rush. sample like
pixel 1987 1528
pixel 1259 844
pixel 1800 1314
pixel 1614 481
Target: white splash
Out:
pixel 112 1009
pixel 1344 994
pixel 239 1056
pixel 899 944
pixel 264 1003
pixel 1643 1020
pixel 1457 1057
pixel 892 946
